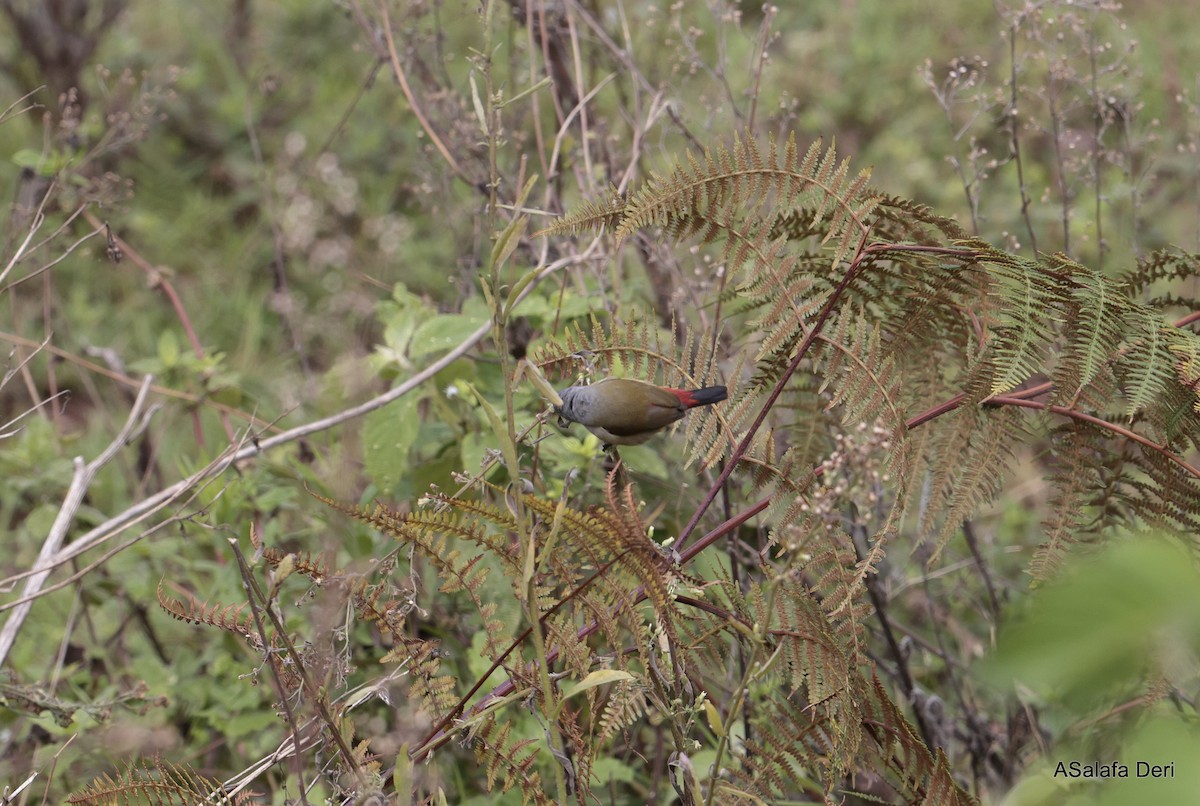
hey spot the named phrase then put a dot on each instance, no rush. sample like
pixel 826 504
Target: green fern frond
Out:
pixel 1160 493
pixel 1094 325
pixel 1026 306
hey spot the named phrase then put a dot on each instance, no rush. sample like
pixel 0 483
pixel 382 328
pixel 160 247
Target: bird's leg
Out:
pixel 611 458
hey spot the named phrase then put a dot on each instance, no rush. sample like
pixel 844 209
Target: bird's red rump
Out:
pixel 700 397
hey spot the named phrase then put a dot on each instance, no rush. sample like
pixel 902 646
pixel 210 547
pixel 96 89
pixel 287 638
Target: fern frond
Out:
pixel 626 704
pixel 1027 306
pixel 1076 451
pixel 793 740
pixel 1094 326
pixel 817 661
pixel 1149 366
pixel 923 778
pixel 633 345
pixel 861 375
pixel 510 761
pixel 157 782
pixel 1161 265
pixel 229 617
pixel 605 213
pixel 710 196
pixel 317 569
pixel 899 220
pixel 982 442
pixel 436 535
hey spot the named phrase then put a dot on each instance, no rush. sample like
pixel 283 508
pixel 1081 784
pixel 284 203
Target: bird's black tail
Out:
pixel 705 397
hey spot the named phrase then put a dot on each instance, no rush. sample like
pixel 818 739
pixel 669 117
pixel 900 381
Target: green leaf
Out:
pixel 508 242
pixel 477 103
pixel 605 770
pixel 525 279
pixel 600 677
pixel 546 309
pixel 27 158
pixel 648 459
pixel 446 331
pixel 1104 625
pixel 714 718
pixel 402 775
pixel 168 349
pixel 507 449
pixel 401 315
pixel 510 237
pixel 388 435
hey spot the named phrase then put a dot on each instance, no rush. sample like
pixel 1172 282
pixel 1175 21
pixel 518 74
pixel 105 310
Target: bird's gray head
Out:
pixel 574 405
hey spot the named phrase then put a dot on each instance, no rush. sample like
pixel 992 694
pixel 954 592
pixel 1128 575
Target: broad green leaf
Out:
pixel 388 435
pixel 446 331
pixel 1107 622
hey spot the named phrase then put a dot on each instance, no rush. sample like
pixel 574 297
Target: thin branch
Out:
pixel 8 110
pixel 809 339
pixel 1013 400
pixel 152 504
pixel 39 218
pixel 402 80
pixel 139 418
pixel 132 383
pixel 435 738
pixel 1014 142
pixel 242 452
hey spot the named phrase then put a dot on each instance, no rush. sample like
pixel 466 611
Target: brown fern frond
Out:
pixel 860 373
pixel 228 617
pixel 510 761
pixel 315 568
pixel 983 441
pixel 639 555
pixel 436 535
pixel 900 220
pixel 710 197
pixel 922 777
pixel 606 213
pixel 626 704
pixel 1077 455
pixel 634 346
pixel 434 692
pixel 159 782
pixel 798 737
pixel 818 661
pixel 1160 266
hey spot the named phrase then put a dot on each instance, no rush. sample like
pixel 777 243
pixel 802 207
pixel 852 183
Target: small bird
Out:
pixel 623 411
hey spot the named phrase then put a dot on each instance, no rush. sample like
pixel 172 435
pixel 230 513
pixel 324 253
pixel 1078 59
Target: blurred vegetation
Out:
pixel 248 202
